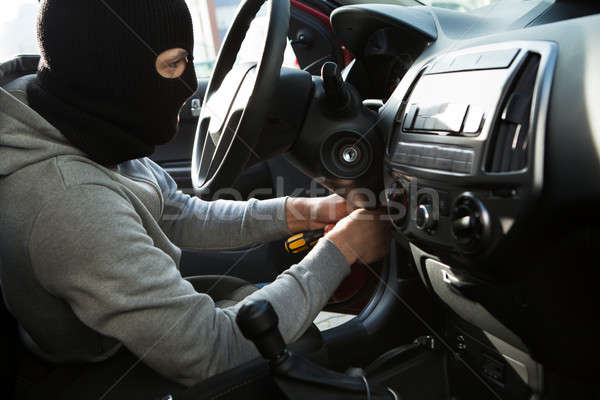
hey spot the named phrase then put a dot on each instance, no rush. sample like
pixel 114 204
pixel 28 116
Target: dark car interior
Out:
pixel 478 131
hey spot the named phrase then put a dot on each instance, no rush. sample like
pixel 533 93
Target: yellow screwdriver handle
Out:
pixel 302 241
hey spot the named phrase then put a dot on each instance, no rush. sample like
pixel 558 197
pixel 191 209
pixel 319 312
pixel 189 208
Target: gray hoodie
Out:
pixel 90 257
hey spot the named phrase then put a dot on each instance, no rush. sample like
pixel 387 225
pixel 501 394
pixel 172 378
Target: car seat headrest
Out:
pixel 18 67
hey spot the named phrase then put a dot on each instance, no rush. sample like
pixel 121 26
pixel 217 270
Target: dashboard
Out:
pixel 467 144
pixel 492 161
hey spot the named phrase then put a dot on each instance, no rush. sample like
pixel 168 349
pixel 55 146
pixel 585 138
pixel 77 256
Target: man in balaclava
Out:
pixel 91 230
pixel 98 82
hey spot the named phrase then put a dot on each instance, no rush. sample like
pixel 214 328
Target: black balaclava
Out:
pixel 98 83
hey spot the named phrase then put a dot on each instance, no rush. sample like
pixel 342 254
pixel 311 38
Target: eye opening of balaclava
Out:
pixel 98 83
pixel 172 63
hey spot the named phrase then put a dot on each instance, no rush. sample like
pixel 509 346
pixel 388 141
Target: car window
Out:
pixel 17 28
pixel 211 18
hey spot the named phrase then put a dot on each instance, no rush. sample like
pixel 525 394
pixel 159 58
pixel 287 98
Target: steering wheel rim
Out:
pixel 236 102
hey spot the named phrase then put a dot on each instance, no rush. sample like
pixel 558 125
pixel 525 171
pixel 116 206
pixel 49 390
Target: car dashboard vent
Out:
pixel 510 137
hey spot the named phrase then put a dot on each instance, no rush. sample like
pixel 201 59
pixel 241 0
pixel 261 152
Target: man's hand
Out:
pixel 362 236
pixel 307 214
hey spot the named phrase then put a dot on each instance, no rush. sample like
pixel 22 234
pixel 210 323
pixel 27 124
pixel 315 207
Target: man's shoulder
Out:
pixel 76 170
pixel 66 178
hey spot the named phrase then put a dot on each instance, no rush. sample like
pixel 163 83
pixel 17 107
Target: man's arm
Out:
pixel 89 247
pixel 192 223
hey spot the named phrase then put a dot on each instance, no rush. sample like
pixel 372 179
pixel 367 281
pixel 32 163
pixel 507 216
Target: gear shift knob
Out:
pixel 258 322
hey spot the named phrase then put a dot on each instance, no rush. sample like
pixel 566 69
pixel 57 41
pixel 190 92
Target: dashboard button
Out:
pixel 427 162
pixel 466 62
pixel 464 155
pixel 441 65
pixel 474 61
pixel 429 151
pixel 443 163
pixel 498 59
pixel 413 158
pixel 461 166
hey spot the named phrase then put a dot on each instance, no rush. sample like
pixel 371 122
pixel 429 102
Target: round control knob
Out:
pixel 425 219
pixel 470 222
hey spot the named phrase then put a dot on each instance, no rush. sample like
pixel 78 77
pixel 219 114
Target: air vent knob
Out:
pixel 425 219
pixel 470 222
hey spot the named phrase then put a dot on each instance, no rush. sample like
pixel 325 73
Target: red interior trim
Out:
pixel 321 16
pixel 315 13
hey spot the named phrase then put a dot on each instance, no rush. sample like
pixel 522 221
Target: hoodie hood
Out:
pixel 25 137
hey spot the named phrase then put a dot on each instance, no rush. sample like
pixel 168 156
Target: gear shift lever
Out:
pixel 297 377
pixel 258 322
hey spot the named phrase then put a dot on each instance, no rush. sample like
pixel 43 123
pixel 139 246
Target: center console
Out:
pixel 466 155
pixel 464 164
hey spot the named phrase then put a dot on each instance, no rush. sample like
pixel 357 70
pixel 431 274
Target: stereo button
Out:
pixel 497 59
pixel 464 155
pixel 461 166
pixel 466 62
pixel 474 61
pixel 441 65
pixel 443 163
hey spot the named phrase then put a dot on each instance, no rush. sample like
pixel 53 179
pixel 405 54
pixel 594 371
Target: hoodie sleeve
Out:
pixel 193 223
pixel 90 248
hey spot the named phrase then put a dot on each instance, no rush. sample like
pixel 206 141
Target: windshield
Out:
pixel 18 20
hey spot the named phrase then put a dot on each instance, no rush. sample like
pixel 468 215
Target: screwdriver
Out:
pixel 303 241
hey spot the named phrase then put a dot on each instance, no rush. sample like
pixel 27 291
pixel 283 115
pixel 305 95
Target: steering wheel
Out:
pixel 237 99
